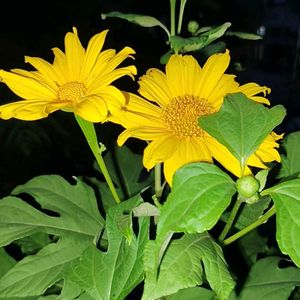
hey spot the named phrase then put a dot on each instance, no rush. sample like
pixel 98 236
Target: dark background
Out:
pixel 55 145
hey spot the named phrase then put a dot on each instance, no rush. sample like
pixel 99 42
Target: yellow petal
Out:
pixel 74 55
pixel 92 109
pixel 224 157
pixel 107 78
pixel 26 87
pixel 251 90
pixel 159 150
pixel 143 133
pixel 27 110
pixel 49 74
pixel 225 85
pixel 154 87
pixel 139 112
pixel 188 150
pixel 183 73
pixel 211 73
pixel 93 49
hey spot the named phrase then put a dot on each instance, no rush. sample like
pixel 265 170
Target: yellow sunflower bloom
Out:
pixel 78 81
pixel 169 120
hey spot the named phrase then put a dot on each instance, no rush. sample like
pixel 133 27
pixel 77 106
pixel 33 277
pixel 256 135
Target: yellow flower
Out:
pixel 169 120
pixel 78 81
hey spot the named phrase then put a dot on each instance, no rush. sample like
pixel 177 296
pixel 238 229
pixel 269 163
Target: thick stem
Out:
pixel 180 17
pixel 231 219
pixel 89 132
pixel 157 185
pixel 250 227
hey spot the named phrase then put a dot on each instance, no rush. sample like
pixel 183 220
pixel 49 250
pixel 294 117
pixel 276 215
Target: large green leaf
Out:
pixel 114 273
pixel 286 197
pixel 141 20
pixel 267 281
pixel 195 43
pixel 6 262
pixel 241 125
pixel 290 163
pixel 126 169
pixel 75 227
pixel 194 293
pixel 200 194
pixel 181 267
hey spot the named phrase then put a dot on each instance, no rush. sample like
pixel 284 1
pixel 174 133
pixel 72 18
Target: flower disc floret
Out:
pixel 182 113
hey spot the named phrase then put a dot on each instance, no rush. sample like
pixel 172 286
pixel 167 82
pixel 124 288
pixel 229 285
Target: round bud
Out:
pixel 193 26
pixel 247 186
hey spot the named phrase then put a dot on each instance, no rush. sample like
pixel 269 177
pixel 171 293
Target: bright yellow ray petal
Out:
pixel 28 110
pixel 144 133
pixel 224 157
pixel 49 74
pixel 159 150
pixel 251 90
pixel 226 85
pixel 74 55
pixel 92 109
pixel 188 150
pixel 107 78
pixel 138 112
pixel 93 49
pixel 183 73
pixel 211 73
pixel 154 87
pixel 26 87
pixel 60 64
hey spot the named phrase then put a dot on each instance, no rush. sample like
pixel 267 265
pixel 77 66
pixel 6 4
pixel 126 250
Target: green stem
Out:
pixel 89 132
pixel 181 12
pixel 157 180
pixel 157 185
pixel 250 227
pixel 231 219
pixel 172 16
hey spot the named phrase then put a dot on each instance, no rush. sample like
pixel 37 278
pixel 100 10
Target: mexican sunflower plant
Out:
pixel 219 221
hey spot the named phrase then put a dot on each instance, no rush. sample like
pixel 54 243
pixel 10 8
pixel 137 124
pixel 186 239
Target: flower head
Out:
pixel 168 115
pixel 79 81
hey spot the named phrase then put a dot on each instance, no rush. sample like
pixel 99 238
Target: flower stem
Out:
pixel 89 132
pixel 172 16
pixel 157 185
pixel 181 12
pixel 250 227
pixel 231 219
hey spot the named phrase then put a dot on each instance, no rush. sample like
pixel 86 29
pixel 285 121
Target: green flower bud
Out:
pixel 193 26
pixel 247 186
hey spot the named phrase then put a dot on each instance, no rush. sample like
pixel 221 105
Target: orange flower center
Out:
pixel 182 113
pixel 72 91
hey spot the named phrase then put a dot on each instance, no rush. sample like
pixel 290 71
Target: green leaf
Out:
pixel 286 197
pixel 200 194
pixel 194 293
pixel 126 168
pixel 268 281
pixel 181 267
pixel 33 243
pixel 251 212
pixel 241 125
pixel 77 223
pixel 141 20
pixel 251 245
pixel 113 274
pixel 6 262
pixel 244 35
pixel 196 43
pixel 290 163
pixel 34 274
